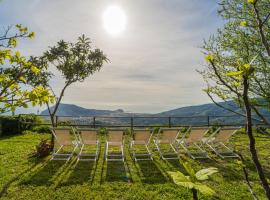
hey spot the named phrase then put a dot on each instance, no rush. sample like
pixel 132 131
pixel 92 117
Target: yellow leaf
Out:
pixel 22 79
pixel 18 54
pixel 243 23
pixel 237 73
pixel 31 35
pixel 247 66
pixel 35 70
pixel 251 1
pixel 209 58
pixel 18 26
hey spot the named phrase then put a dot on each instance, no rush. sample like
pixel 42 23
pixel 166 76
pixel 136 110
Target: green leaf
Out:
pixel 178 176
pixel 12 108
pixel 189 169
pixel 204 174
pixel 187 184
pixel 204 189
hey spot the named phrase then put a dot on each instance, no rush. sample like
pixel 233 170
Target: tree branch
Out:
pixel 259 114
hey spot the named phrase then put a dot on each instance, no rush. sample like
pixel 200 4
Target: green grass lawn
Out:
pixel 22 177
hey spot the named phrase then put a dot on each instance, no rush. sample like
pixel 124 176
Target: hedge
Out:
pixel 11 125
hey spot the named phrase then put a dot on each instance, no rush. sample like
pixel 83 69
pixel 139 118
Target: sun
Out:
pixel 114 20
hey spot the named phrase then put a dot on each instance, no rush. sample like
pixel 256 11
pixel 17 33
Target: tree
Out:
pixel 19 78
pixel 245 35
pixel 75 61
pixel 238 64
pixel 194 180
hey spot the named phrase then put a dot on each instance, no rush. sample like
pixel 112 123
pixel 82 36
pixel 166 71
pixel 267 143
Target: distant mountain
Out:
pixel 210 113
pixel 210 109
pixel 77 111
pixel 190 115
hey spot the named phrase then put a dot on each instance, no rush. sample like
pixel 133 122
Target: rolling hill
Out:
pixel 190 115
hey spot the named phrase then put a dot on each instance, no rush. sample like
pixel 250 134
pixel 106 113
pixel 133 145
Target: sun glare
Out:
pixel 114 20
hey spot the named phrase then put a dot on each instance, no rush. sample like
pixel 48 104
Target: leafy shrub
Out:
pixel 156 130
pixel 213 128
pixel 127 131
pixel 9 125
pixel 103 131
pixel 28 122
pixel 64 123
pixel 184 129
pixel 42 129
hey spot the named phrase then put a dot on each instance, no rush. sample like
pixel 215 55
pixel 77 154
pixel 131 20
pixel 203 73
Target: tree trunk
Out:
pixel 195 194
pixel 52 136
pixel 53 113
pixel 252 147
pixel 247 178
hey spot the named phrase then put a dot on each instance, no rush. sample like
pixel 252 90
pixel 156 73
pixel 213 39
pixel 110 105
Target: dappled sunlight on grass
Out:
pixel 25 177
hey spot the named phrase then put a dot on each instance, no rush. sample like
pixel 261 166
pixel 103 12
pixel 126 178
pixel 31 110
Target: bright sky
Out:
pixel 153 47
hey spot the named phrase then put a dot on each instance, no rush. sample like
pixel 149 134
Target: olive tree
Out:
pixel 75 61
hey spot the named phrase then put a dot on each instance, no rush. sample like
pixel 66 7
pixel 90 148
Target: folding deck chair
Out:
pixel 218 140
pixel 167 137
pixel 64 138
pixel 141 138
pixel 194 140
pixel 114 139
pixel 88 137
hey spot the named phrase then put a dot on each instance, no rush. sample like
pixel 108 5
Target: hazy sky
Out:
pixel 152 62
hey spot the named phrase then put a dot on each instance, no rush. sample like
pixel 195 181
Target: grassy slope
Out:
pixel 22 177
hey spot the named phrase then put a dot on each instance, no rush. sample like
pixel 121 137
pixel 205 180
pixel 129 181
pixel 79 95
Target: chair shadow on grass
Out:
pixel 150 172
pixel 7 185
pixel 43 176
pixel 116 171
pixel 83 172
pixel 175 165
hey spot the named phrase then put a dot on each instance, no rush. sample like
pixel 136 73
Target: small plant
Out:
pixel 156 129
pixel 127 131
pixel 103 131
pixel 43 149
pixel 194 180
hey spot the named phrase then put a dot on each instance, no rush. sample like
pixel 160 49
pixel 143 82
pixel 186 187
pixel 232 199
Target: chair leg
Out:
pixel 106 151
pixel 123 155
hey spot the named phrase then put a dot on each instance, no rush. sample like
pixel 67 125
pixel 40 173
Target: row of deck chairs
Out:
pixel 168 142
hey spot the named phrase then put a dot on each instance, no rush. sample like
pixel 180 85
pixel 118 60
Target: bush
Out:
pixel 127 131
pixel 103 131
pixel 42 129
pixel 28 122
pixel 11 125
pixel 156 129
pixel 64 123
